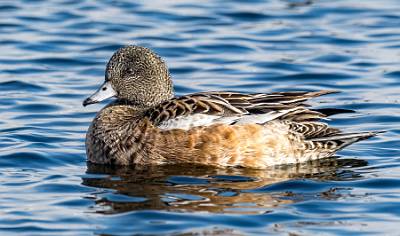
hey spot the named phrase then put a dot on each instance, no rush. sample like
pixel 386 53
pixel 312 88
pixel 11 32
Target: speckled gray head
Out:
pixel 135 74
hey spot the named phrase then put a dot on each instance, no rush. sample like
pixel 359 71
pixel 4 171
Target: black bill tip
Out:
pixel 88 101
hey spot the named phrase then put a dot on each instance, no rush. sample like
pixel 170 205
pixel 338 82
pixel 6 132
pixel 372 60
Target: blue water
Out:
pixel 53 55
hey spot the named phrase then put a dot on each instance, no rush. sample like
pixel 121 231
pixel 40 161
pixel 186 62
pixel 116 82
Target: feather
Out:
pixel 207 108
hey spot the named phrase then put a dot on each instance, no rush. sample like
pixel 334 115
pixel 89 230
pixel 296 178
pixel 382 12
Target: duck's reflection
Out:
pixel 197 188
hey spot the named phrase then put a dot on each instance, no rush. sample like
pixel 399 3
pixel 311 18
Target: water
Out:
pixel 53 55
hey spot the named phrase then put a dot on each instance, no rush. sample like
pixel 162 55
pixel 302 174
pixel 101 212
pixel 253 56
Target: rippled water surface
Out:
pixel 53 54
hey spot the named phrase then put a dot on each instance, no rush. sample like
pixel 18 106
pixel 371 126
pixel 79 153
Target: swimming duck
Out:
pixel 148 125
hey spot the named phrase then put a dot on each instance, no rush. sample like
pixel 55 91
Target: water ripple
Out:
pixel 54 55
pixel 20 85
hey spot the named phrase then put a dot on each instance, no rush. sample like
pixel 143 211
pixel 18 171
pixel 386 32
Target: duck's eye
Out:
pixel 129 71
pixel 104 88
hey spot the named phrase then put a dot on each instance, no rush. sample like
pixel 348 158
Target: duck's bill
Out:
pixel 105 91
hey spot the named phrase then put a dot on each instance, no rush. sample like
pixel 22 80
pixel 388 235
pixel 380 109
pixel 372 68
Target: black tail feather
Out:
pixel 333 111
pixel 339 141
pixel 345 136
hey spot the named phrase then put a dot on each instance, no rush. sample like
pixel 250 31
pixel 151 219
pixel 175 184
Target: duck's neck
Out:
pixel 136 105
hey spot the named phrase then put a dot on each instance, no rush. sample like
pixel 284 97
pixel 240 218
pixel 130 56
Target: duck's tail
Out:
pixel 339 141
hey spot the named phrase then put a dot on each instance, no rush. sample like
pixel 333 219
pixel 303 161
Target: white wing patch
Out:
pixel 187 122
pixel 263 118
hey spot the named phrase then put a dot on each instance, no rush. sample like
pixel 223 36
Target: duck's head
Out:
pixel 135 74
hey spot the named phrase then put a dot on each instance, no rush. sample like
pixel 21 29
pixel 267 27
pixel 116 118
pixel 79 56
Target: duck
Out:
pixel 148 125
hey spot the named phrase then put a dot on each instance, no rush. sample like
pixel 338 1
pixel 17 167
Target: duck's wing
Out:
pixel 207 108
